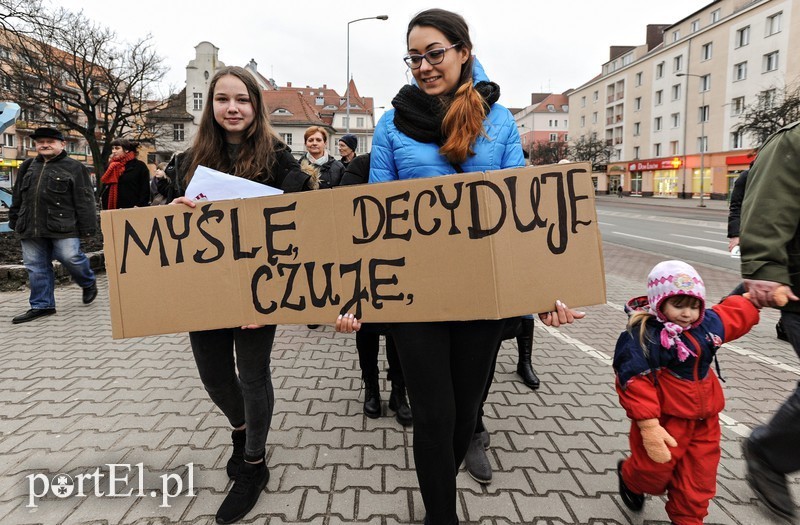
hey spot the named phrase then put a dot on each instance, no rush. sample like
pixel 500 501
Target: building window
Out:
pixel 740 71
pixel 595 96
pixel 742 37
pixel 677 63
pixel 197 102
pixel 638 78
pixel 177 133
pixel 676 35
pixel 8 140
pixel 770 61
pixel 583 102
pixel 660 70
pixel 657 150
pixel 673 147
pixel 774 24
pixel 715 16
pixel 553 137
pixel 703 113
pixel 676 92
pixel 737 106
pixel 594 117
pixel 637 103
pixel 659 97
pixel 345 122
pixel 657 124
pixel 636 128
pixel 319 101
pixel 676 120
pixel 5 81
pixel 705 82
pixel 707 51
pixel 360 122
pixel 583 121
pixel 695 26
pixel 767 98
pixel 636 152
pixel 702 144
pixel 286 138
pixel 737 139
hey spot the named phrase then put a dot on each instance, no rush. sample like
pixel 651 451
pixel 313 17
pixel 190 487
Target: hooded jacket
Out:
pixel 395 155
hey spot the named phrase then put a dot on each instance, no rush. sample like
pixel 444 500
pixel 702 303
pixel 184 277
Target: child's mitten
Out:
pixel 655 440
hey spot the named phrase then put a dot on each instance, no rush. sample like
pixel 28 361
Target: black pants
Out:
pixel 446 366
pixel 777 441
pixel 246 398
pixel 368 345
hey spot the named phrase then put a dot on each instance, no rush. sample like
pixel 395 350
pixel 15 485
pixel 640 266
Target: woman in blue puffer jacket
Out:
pixel 447 123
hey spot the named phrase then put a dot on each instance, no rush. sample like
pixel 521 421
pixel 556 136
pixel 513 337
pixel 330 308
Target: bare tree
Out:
pixel 14 14
pixel 546 152
pixel 73 70
pixel 593 150
pixel 774 108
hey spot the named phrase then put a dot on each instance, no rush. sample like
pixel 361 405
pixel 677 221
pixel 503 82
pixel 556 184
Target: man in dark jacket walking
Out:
pixel 52 205
pixel 770 243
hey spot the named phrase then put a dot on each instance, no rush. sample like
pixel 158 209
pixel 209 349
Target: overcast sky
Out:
pixel 526 46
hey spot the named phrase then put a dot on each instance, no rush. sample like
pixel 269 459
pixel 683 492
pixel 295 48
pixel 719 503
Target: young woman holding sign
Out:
pixel 447 122
pixel 235 137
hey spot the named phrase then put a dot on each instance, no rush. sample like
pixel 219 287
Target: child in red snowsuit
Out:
pixel 669 390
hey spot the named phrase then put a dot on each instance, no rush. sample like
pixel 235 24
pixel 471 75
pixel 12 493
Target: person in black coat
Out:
pixel 735 209
pixel 321 166
pixel 368 338
pixel 126 182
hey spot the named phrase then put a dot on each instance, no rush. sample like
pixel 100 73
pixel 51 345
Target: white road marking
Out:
pixel 698 238
pixel 727 422
pixel 605 223
pixel 659 241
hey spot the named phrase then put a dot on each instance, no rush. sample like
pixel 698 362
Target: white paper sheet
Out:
pixel 213 185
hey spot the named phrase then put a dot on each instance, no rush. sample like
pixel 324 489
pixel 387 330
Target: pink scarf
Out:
pixel 671 335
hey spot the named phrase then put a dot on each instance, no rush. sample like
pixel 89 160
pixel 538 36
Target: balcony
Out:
pixel 618 140
pixel 610 98
pixel 620 95
pixel 610 120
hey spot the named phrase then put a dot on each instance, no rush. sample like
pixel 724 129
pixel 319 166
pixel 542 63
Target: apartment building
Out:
pixel 671 108
pixel 546 119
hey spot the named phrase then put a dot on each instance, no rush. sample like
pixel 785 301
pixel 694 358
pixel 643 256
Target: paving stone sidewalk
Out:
pixel 73 400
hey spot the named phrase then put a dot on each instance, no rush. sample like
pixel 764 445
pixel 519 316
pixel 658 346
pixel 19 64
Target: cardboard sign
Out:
pixel 458 247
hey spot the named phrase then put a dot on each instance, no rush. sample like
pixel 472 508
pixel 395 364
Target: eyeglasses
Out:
pixel 434 57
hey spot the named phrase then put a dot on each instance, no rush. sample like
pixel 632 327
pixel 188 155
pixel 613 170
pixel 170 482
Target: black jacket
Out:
pixel 133 187
pixel 735 208
pixel 357 171
pixel 53 199
pixel 285 174
pixel 329 174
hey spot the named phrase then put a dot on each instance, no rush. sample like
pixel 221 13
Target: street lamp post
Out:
pixel 347 84
pixel 703 140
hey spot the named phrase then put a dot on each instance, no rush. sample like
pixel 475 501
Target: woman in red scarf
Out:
pixel 126 182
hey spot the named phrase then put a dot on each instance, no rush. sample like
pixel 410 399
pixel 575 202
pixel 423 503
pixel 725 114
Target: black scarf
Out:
pixel 420 116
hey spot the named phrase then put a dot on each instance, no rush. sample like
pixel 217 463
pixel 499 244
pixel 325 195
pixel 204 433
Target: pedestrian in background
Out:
pixel 156 198
pixel 235 137
pixel 347 148
pixel 770 251
pixel 368 337
pixel 126 182
pixel 52 206
pixel 671 394
pixel 447 122
pixel 325 170
pixel 735 212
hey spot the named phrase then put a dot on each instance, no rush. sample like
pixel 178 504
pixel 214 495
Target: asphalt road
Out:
pixel 691 234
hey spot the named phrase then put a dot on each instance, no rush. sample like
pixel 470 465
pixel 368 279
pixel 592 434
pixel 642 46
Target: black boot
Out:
pixel 399 403
pixel 525 347
pixel 239 437
pixel 247 487
pixel 372 396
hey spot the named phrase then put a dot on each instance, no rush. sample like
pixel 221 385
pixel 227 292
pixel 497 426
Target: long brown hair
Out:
pixel 463 121
pixel 256 154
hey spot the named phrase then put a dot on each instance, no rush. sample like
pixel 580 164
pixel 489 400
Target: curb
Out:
pixel 14 277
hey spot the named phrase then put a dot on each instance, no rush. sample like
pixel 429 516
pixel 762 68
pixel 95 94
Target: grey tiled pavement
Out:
pixel 72 400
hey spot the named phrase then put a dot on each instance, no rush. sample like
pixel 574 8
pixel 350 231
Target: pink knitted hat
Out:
pixel 670 278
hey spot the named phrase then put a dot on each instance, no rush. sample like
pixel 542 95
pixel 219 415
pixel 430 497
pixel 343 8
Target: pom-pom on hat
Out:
pixel 670 278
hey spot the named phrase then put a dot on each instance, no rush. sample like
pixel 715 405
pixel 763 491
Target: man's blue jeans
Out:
pixel 38 254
